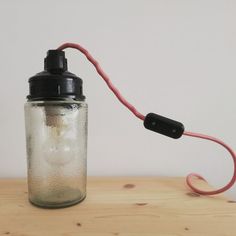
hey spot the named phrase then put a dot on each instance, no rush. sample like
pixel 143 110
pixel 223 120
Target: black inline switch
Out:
pixel 163 125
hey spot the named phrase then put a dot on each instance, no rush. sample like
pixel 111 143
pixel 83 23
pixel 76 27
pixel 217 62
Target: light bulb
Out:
pixel 59 147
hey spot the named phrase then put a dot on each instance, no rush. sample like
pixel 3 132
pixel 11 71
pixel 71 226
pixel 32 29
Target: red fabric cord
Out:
pixel 233 155
pixel 142 117
pixel 105 77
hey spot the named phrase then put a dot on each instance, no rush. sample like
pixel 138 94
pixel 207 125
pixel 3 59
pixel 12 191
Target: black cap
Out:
pixel 55 61
pixel 55 82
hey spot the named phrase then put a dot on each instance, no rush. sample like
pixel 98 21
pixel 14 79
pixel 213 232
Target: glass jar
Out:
pixel 56 135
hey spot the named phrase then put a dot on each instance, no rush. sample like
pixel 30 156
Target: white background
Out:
pixel 175 58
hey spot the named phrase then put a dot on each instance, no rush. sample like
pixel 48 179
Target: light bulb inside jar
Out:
pixel 59 147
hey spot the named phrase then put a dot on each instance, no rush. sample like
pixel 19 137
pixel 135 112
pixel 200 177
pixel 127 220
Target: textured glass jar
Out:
pixel 56 137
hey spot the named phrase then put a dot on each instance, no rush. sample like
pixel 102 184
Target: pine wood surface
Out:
pixel 120 206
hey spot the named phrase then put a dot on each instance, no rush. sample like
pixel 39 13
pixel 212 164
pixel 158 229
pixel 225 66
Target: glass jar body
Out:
pixel 56 140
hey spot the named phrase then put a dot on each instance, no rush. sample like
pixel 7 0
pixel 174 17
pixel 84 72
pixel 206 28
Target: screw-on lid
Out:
pixel 55 82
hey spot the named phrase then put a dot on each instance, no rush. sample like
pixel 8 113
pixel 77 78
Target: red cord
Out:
pixel 232 153
pixel 142 117
pixel 104 76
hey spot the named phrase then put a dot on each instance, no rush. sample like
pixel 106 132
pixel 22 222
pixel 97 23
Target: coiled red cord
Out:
pixel 233 155
pixel 142 117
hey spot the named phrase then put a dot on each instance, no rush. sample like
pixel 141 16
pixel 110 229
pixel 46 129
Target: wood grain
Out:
pixel 131 206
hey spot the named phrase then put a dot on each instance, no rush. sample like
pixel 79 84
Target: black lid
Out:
pixel 55 82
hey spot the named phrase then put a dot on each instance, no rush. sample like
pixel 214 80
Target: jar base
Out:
pixel 56 205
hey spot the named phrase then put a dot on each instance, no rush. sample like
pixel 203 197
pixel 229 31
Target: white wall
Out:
pixel 175 58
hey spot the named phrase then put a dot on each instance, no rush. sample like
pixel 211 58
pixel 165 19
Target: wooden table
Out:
pixel 123 206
